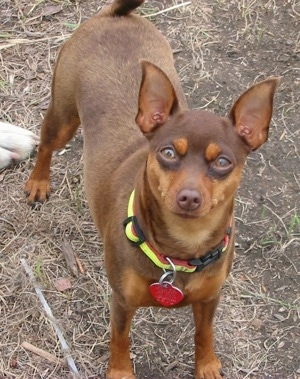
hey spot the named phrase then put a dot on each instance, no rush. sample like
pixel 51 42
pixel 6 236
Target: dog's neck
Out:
pixel 175 236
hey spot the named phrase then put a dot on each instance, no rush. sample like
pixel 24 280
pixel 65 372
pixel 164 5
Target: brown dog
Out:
pixel 183 165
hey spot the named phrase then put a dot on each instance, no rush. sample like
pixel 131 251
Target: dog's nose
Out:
pixel 189 199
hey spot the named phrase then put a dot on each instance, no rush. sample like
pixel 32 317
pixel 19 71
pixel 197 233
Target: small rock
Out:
pixel 256 323
pixel 279 317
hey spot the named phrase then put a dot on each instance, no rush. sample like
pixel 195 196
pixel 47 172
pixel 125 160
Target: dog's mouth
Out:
pixel 192 215
pixel 187 216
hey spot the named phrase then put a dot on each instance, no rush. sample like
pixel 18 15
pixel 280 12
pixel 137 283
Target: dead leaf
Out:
pixel 63 284
pixel 51 9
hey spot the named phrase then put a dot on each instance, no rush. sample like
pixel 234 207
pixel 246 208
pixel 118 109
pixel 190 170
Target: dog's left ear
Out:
pixel 252 112
pixel 157 98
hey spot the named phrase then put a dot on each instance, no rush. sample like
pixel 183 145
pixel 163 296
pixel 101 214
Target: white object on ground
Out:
pixel 16 143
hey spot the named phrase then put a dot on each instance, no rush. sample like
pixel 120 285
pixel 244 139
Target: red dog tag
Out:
pixel 166 294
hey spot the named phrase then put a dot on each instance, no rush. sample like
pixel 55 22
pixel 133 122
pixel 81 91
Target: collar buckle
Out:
pixel 209 258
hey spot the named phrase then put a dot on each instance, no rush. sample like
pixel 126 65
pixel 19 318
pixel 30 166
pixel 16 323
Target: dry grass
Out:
pixel 220 47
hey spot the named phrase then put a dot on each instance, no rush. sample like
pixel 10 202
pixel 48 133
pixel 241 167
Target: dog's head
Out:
pixel 196 157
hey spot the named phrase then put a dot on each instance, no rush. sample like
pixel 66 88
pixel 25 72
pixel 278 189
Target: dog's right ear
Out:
pixel 157 98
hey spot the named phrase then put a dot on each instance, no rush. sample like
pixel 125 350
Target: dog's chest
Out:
pixel 195 287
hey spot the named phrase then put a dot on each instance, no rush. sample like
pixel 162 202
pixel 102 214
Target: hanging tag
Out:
pixel 166 294
pixel 164 291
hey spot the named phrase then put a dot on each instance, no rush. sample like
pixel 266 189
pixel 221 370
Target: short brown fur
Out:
pixel 184 165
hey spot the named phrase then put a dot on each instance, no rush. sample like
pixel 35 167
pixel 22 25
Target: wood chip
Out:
pixel 171 366
pixel 70 257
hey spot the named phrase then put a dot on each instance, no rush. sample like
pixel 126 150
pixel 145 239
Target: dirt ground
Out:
pixel 220 48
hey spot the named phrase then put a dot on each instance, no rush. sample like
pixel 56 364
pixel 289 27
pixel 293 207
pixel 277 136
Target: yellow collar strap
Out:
pixel 136 237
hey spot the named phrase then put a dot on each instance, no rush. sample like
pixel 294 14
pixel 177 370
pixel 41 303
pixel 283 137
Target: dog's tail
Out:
pixel 121 8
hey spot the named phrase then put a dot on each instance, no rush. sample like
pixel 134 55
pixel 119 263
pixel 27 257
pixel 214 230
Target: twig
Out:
pixel 41 353
pixel 168 9
pixel 266 297
pixel 79 265
pixel 19 41
pixel 279 218
pixel 49 313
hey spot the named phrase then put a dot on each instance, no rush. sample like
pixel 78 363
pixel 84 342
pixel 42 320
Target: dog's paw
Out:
pixel 16 144
pixel 37 191
pixel 119 374
pixel 209 374
pixel 209 370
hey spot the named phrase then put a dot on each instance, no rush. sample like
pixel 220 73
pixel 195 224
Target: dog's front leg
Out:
pixel 119 363
pixel 207 364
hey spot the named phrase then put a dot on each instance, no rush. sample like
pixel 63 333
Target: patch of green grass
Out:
pixel 263 213
pixel 149 12
pixel 71 25
pixel 249 293
pixel 5 35
pixel 294 227
pixel 4 86
pixel 269 237
pixel 38 272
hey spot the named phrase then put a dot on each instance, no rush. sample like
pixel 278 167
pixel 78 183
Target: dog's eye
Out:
pixel 222 162
pixel 168 153
pixel 221 167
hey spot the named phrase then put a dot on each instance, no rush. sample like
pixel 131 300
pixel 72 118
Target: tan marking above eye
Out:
pixel 212 151
pixel 181 146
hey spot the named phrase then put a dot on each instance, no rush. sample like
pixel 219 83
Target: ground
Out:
pixel 220 48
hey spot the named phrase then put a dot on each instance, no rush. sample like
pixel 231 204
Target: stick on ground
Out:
pixel 42 353
pixel 49 313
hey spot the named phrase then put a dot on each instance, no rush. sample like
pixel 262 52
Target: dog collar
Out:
pixel 136 236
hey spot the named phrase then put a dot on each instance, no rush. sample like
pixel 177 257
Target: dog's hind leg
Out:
pixel 59 126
